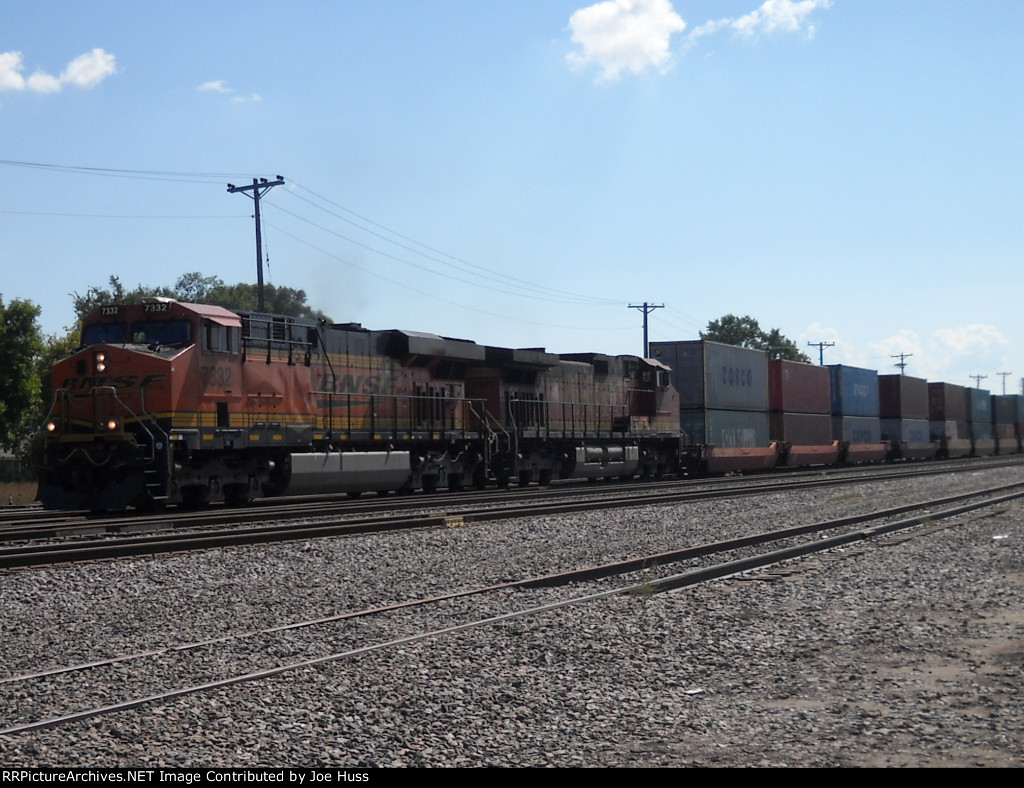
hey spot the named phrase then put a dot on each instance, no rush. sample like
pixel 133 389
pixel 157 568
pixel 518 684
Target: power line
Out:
pixel 436 255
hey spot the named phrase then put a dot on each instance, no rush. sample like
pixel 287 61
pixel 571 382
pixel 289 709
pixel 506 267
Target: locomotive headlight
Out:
pixel 101 362
pixel 112 425
pixel 51 426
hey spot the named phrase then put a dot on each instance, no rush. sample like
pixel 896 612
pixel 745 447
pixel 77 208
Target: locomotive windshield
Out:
pixel 161 332
pixel 104 333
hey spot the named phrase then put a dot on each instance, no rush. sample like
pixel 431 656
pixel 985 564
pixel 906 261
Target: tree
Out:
pixel 195 288
pixel 745 332
pixel 20 347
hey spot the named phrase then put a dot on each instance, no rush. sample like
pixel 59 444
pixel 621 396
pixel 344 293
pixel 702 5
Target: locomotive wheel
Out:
pixel 455 482
pixel 430 483
pixel 544 477
pixel 525 477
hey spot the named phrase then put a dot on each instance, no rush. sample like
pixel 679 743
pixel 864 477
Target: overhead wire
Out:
pixel 438 256
pixel 502 283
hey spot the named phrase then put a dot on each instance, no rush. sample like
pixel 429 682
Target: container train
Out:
pixel 173 403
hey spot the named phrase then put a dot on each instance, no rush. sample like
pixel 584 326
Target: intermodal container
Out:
pixel 1006 408
pixel 856 429
pixel 947 402
pixel 1004 431
pixel 800 429
pixel 712 376
pixel 725 429
pixel 854 391
pixel 798 388
pixel 950 430
pixel 979 407
pixel 906 430
pixel 902 397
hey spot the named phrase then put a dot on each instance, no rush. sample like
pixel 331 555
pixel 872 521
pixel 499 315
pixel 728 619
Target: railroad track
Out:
pixel 301 518
pixel 71 543
pixel 118 684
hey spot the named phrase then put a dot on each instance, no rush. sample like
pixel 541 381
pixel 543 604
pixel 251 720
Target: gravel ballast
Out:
pixel 901 652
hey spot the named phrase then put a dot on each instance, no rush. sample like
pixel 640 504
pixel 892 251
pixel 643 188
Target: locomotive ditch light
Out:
pixel 51 426
pixel 112 425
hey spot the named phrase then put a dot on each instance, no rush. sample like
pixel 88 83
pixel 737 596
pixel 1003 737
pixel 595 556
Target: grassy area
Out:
pixel 20 493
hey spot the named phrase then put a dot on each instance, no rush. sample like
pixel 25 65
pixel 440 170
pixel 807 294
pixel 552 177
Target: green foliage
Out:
pixel 195 288
pixel 745 332
pixel 21 344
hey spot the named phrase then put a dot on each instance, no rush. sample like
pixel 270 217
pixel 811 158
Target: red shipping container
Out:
pixel 798 388
pixel 800 429
pixel 947 402
pixel 903 397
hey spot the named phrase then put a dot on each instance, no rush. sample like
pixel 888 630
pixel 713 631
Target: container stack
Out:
pixel 903 409
pixel 799 412
pixel 947 415
pixel 723 398
pixel 855 408
pixel 1006 420
pixel 979 421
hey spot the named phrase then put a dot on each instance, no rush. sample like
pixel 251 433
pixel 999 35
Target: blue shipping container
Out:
pixel 854 391
pixel 979 407
pixel 856 429
pixel 906 430
pixel 726 429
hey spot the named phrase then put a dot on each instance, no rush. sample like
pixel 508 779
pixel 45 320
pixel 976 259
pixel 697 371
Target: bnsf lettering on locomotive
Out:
pixel 359 384
pixel 119 382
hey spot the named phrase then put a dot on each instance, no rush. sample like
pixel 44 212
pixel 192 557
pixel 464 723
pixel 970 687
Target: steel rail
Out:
pixel 646 587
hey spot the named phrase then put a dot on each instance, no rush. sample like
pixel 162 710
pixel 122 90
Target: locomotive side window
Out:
pixel 161 332
pixel 104 333
pixel 219 339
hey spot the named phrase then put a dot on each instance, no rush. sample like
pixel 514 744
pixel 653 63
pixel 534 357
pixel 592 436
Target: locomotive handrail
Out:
pixel 448 421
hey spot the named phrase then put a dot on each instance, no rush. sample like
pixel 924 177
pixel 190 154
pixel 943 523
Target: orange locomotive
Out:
pixel 167 402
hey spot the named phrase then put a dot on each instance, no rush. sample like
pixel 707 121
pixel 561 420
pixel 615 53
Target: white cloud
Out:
pixel 216 86
pixel 10 71
pixel 220 86
pixel 788 16
pixel 624 35
pixel 90 69
pixel 85 71
pixel 970 339
pixel 41 82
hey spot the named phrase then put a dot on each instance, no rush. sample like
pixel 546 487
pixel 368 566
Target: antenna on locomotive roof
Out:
pixel 260 186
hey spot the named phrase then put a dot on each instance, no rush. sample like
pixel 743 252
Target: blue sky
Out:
pixel 520 173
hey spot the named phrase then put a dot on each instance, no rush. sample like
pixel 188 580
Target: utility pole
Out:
pixel 260 186
pixel 821 350
pixel 646 309
pixel 1004 376
pixel 977 380
pixel 903 361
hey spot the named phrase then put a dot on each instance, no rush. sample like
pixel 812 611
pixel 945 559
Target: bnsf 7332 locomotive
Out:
pixel 167 402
